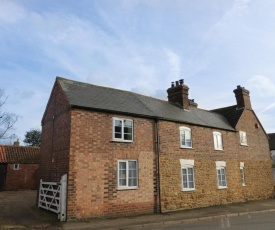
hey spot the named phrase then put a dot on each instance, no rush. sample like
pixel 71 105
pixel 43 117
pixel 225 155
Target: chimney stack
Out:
pixel 16 143
pixel 242 98
pixel 178 94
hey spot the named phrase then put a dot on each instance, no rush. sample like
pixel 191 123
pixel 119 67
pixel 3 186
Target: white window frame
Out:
pixel 242 173
pixel 185 165
pixel 217 137
pixel 183 132
pixel 243 138
pixel 16 166
pixel 122 129
pixel 220 168
pixel 127 186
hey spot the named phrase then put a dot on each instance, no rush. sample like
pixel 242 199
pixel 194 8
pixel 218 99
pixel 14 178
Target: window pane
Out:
pixel 128 123
pixel 182 138
pixel 191 184
pixel 118 129
pixel 128 137
pixel 219 138
pixel 184 178
pixel 122 165
pixel 127 130
pixel 132 182
pixel 132 164
pixel 117 135
pixel 118 123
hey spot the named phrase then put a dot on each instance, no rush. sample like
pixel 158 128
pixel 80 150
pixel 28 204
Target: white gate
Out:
pixel 52 197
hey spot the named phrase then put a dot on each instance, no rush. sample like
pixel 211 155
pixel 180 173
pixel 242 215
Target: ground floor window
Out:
pixel 127 174
pixel 221 174
pixel 242 173
pixel 187 175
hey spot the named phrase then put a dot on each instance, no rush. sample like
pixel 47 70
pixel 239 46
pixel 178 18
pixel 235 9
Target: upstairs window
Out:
pixel 243 138
pixel 217 141
pixel 242 173
pixel 185 137
pixel 187 175
pixel 221 174
pixel 127 174
pixel 122 130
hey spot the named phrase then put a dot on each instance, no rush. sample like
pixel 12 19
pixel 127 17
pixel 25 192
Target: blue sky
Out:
pixel 140 46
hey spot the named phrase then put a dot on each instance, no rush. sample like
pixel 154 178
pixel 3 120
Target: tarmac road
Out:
pixel 263 221
pixel 18 211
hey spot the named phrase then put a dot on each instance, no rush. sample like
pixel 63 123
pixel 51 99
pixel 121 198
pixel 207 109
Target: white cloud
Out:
pixel 263 86
pixel 271 106
pixel 10 12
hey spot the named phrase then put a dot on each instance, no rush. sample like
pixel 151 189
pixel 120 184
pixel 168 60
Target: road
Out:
pixel 262 221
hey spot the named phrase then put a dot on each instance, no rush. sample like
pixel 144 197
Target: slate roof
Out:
pixel 95 97
pixel 19 154
pixel 271 141
pixel 231 113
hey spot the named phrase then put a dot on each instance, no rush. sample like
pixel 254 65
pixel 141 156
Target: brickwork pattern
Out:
pixel 55 144
pixel 92 185
pixel 26 177
pixel 256 158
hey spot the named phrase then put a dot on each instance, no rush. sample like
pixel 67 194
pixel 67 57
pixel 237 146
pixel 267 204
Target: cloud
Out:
pixel 10 12
pixel 263 86
pixel 271 106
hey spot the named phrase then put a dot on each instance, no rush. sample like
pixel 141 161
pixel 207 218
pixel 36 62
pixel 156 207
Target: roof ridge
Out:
pixel 110 88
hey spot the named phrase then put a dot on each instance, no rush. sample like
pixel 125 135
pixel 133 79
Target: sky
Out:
pixel 140 46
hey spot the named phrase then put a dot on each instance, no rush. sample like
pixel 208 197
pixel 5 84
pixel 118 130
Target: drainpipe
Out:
pixel 158 163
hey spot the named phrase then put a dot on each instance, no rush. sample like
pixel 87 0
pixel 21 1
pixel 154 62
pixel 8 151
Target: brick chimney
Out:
pixel 16 143
pixel 178 94
pixel 242 97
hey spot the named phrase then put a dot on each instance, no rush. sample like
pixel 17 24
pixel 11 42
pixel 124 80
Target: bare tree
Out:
pixel 7 119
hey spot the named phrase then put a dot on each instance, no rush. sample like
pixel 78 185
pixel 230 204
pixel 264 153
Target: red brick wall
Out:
pixel 92 186
pixel 256 158
pixel 55 137
pixel 24 178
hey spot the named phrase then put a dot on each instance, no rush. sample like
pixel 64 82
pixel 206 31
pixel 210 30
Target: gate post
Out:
pixel 63 198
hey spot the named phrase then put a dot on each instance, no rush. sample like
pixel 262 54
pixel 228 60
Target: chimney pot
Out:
pixel 172 84
pixel 181 81
pixel 177 83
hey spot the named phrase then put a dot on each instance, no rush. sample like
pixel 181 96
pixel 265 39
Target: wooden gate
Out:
pixel 52 197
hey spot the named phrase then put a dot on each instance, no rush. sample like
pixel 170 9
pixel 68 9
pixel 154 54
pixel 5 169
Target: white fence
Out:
pixel 52 197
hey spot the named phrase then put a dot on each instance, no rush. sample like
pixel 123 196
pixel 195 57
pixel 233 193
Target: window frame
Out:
pixel 122 139
pixel 216 137
pixel 242 173
pixel 185 129
pixel 185 165
pixel 16 166
pixel 221 165
pixel 241 139
pixel 125 187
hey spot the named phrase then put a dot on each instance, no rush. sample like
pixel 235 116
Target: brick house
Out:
pixel 19 167
pixel 128 154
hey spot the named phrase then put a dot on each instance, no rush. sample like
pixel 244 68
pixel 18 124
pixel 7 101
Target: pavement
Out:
pixel 170 218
